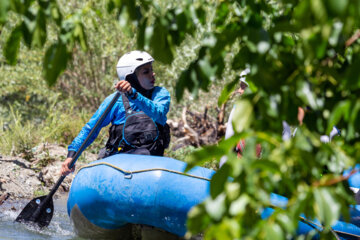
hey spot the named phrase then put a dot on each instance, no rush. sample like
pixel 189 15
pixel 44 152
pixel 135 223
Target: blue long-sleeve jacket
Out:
pixel 156 108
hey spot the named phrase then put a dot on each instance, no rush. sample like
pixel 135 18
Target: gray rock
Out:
pixel 26 179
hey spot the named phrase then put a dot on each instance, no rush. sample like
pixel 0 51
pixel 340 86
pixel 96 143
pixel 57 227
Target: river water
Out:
pixel 59 228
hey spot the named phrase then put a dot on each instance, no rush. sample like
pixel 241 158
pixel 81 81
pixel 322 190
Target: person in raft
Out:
pixel 138 118
pixel 240 147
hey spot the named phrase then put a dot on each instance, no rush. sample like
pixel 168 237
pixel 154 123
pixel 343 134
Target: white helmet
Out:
pixel 130 61
pixel 243 76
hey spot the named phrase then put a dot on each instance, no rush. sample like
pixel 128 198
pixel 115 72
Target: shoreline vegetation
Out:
pixel 29 169
pixel 33 114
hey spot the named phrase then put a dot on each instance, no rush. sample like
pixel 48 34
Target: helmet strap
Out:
pixel 134 82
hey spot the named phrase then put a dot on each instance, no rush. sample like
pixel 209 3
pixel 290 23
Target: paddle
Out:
pixel 40 209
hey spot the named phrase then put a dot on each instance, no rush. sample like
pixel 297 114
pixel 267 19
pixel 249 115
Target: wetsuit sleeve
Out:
pixel 76 143
pixel 157 108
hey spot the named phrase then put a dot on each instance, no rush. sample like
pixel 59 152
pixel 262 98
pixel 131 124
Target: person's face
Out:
pixel 242 88
pixel 146 76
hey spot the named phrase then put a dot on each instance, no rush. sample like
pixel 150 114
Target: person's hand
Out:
pixel 65 167
pixel 123 86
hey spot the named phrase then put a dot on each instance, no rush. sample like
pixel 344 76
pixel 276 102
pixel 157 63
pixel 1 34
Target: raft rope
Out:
pixel 141 171
pixel 309 222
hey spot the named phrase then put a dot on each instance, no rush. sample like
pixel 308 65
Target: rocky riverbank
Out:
pixel 23 177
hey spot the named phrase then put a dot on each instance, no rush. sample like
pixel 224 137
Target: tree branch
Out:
pixel 353 38
pixel 335 180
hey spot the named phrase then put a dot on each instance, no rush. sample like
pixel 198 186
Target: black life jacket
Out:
pixel 138 131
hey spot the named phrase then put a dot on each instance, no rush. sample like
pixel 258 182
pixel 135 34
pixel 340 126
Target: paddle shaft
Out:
pixel 76 156
pixel 94 129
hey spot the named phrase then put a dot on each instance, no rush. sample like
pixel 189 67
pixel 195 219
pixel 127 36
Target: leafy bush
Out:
pixel 179 154
pixel 17 136
pixel 56 114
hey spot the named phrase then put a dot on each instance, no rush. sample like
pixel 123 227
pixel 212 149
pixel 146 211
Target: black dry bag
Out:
pixel 139 130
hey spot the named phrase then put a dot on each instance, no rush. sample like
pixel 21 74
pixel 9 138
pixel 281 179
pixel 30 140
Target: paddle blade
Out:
pixel 37 211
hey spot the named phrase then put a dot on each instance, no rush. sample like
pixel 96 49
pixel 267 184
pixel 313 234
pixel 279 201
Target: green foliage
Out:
pixel 300 53
pixel 20 136
pixel 179 154
pixel 62 127
pixel 39 192
pixel 4 7
pixel 17 137
pixel 55 62
pixel 35 17
pixel 298 56
pixel 12 45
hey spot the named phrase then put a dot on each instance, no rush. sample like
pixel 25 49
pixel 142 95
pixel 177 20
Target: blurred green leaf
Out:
pixel 241 59
pixel 288 41
pixel 266 165
pixel 243 115
pixel 211 152
pixel 317 44
pixel 55 62
pixel 232 190
pixel 4 7
pixel 302 141
pixel 141 34
pixel 149 32
pixel 319 10
pixel 341 110
pixel 110 6
pixel 326 206
pixel 273 231
pixel 20 6
pixel 216 207
pixel 44 4
pixel 354 120
pixel 12 45
pixel 207 70
pixel 218 181
pixel 352 80
pixel 307 96
pixel 201 15
pixel 337 8
pixel 238 206
pixel 222 13
pixel 39 34
pixel 285 222
pixel 160 43
pixel 302 11
pixel 227 91
pixel 80 35
pixel 56 14
pixel 182 25
pixel 334 37
pixel 183 82
pixel 27 28
pixel 202 155
pixel 198 220
pixel 228 229
pixel 132 9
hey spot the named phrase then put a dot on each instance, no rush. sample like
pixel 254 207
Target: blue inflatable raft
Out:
pixel 118 195
pixel 124 189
